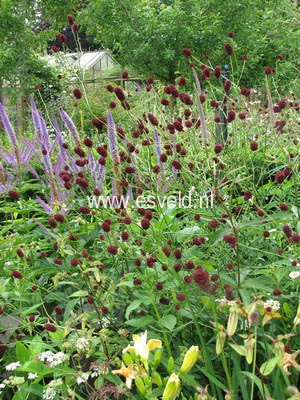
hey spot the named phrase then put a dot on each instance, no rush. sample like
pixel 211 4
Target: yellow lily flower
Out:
pixel 128 373
pixel 141 347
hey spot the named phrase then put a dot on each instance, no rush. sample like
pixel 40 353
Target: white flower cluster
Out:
pixel 52 389
pixel 82 344
pixel 49 393
pixel 52 359
pixel 294 274
pixel 12 366
pixel 273 304
pixel 82 378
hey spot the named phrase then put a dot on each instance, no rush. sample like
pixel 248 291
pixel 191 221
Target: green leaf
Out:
pixel 133 306
pixel 264 392
pixel 140 322
pixel 268 366
pixel 239 349
pixel 168 321
pixel 79 293
pixel 22 352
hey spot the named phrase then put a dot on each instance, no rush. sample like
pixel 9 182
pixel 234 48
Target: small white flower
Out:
pixel 273 304
pixel 82 378
pixel 32 376
pixel 12 366
pixel 294 274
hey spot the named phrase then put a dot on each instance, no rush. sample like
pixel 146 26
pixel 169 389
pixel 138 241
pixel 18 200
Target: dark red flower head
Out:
pixel 228 49
pixel 99 122
pixel 50 328
pixel 13 194
pixel 112 250
pixel 77 93
pixel 201 277
pixel 268 70
pixel 70 19
pixel 186 52
pixel 16 274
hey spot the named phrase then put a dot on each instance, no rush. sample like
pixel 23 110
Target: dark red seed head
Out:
pixel 77 93
pixel 227 85
pixel 120 94
pixel 74 262
pixel 52 223
pixel 145 223
pixel 176 164
pixel 214 224
pixel 59 217
pixel 177 253
pixel 112 250
pixel 283 207
pixel 50 328
pixel 70 19
pixel 180 297
pixel 88 142
pixel 280 177
pixel 217 71
pixel 228 49
pixel 218 148
pixel 201 277
pixel 16 274
pixel 287 230
pixel 254 146
pixel 90 299
pixel 105 310
pixel 13 194
pixel 186 52
pixel 268 70
pixel 20 253
pixel 58 310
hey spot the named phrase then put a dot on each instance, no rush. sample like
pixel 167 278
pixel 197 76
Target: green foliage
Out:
pixel 150 35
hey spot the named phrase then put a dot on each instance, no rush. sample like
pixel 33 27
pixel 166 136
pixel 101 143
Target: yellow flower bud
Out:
pixel 157 358
pixel 170 366
pixel 233 319
pixel 172 388
pixel 189 360
pixel 127 359
pixel 157 379
pixel 249 347
pixel 221 337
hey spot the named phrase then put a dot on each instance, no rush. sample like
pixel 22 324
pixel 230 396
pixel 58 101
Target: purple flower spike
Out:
pixel 112 138
pixel 70 125
pixel 11 134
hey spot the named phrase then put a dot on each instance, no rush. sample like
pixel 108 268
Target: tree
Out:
pixel 150 34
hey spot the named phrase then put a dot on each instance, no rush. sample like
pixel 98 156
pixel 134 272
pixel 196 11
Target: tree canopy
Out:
pixel 150 34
